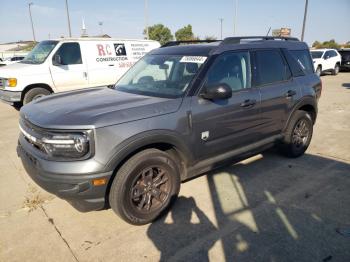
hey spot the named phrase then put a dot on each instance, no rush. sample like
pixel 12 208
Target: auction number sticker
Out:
pixel 193 59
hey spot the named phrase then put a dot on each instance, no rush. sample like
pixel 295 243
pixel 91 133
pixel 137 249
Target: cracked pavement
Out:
pixel 266 208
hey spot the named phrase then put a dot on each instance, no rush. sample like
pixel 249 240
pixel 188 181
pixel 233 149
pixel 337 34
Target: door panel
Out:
pixel 71 73
pixel 277 89
pixel 226 123
pixel 223 125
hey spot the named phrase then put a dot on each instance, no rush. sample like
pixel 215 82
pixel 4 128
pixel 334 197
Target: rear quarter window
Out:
pixel 303 57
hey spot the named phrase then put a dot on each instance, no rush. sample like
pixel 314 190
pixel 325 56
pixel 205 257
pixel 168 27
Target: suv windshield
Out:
pixel 161 75
pixel 316 54
pixel 40 52
pixel 345 54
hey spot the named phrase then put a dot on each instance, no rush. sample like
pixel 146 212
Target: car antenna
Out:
pixel 268 31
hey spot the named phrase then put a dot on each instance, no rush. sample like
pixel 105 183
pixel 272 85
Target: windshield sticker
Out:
pixel 193 59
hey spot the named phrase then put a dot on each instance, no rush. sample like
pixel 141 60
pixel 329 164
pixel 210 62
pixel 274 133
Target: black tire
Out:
pixel 319 70
pixel 336 69
pixel 133 196
pixel 298 135
pixel 35 93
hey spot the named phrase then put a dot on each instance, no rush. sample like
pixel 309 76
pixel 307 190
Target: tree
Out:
pixel 316 44
pixel 210 37
pixel 185 34
pixel 326 44
pixel 160 33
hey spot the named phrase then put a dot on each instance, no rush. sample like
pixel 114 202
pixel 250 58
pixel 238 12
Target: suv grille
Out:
pixel 2 83
pixel 32 134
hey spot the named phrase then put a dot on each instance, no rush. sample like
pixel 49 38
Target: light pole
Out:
pixel 221 19
pixel 70 32
pixel 304 21
pixel 235 19
pixel 31 20
pixel 146 18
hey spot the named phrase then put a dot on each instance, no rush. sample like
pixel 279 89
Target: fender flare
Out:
pixel 146 139
pixel 307 101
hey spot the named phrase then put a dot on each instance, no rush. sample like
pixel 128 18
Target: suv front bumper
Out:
pixel 77 189
pixel 10 97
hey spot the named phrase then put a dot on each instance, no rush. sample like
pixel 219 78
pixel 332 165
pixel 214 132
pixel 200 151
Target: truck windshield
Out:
pixel 161 75
pixel 316 54
pixel 40 52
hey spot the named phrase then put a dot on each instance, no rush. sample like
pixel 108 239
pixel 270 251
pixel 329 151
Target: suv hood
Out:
pixel 20 69
pixel 94 108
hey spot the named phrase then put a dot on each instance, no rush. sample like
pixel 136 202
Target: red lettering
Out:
pixel 108 49
pixel 101 51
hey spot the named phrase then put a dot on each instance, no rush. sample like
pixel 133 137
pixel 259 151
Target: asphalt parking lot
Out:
pixel 265 208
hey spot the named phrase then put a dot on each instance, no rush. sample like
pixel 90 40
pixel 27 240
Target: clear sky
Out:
pixel 326 18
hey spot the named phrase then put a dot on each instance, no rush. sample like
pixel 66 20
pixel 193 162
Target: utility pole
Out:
pixel 304 21
pixel 101 29
pixel 221 19
pixel 70 32
pixel 235 19
pixel 31 20
pixel 146 19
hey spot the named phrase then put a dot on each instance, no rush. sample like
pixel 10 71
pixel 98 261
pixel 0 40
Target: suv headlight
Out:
pixel 66 145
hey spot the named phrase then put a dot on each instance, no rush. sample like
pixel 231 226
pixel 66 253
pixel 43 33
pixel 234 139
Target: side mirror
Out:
pixel 217 91
pixel 56 61
pixel 326 57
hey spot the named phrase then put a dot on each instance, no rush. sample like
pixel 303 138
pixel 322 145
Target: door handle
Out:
pixel 110 65
pixel 290 93
pixel 248 103
pixel 85 74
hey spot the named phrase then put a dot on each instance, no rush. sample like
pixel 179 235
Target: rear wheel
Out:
pixel 319 70
pixel 34 94
pixel 336 69
pixel 298 134
pixel 144 186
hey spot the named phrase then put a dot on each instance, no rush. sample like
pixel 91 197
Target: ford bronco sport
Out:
pixel 182 110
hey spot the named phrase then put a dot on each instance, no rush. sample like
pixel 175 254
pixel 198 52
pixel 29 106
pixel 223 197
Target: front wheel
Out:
pixel 336 69
pixel 298 134
pixel 144 186
pixel 34 94
pixel 319 71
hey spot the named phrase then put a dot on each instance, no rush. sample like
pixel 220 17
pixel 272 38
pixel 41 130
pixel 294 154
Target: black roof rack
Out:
pixel 175 43
pixel 237 39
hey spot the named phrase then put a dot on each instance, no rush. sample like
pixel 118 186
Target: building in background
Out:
pixel 284 32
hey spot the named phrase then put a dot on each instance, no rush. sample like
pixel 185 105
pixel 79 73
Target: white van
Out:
pixel 68 64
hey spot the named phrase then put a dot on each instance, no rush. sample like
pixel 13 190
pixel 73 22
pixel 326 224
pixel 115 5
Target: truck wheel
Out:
pixel 319 70
pixel 35 93
pixel 297 135
pixel 144 186
pixel 335 70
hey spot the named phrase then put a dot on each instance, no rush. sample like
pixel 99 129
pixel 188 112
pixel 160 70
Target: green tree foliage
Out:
pixel 185 34
pixel 210 37
pixel 160 33
pixel 326 44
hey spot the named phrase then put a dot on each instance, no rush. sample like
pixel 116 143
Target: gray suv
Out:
pixel 182 110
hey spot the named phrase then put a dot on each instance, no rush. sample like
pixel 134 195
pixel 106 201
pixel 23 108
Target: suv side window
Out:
pixel 327 55
pixel 303 57
pixel 70 54
pixel 231 68
pixel 271 67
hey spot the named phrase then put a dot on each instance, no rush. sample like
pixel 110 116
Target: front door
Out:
pixel 227 124
pixel 71 72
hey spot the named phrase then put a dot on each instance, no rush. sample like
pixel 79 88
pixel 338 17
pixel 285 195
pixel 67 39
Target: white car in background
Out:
pixel 326 60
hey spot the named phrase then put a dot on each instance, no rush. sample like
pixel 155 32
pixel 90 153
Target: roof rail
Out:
pixel 237 40
pixel 175 43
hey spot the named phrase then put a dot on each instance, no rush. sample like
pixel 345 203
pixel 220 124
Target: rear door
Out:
pixel 72 72
pixel 226 124
pixel 277 88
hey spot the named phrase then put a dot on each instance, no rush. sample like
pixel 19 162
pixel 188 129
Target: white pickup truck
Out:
pixel 68 64
pixel 326 60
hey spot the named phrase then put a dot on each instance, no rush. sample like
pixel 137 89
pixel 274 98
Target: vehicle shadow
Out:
pixel 346 85
pixel 268 208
